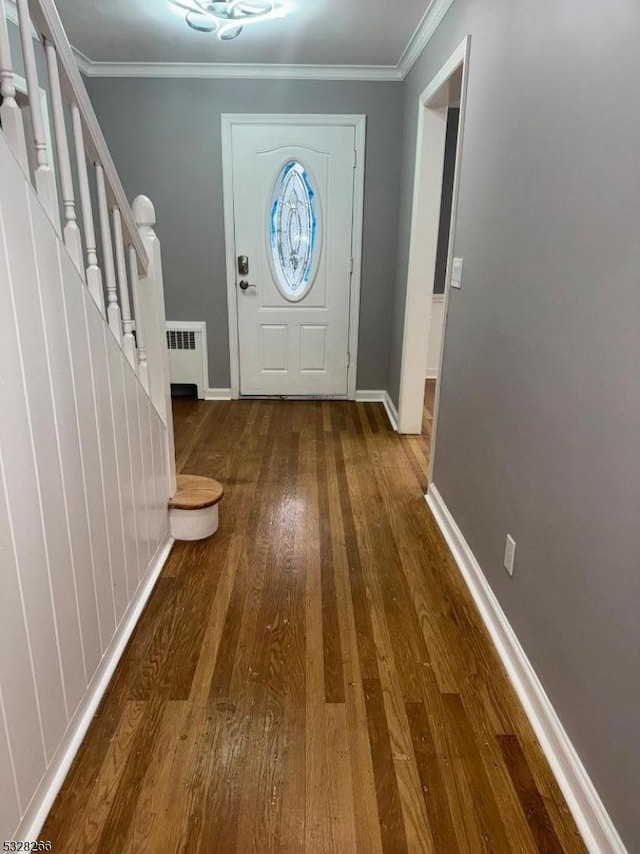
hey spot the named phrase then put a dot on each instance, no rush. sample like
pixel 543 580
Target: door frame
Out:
pixel 433 105
pixel 359 123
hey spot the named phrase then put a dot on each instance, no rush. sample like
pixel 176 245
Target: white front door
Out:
pixel 293 191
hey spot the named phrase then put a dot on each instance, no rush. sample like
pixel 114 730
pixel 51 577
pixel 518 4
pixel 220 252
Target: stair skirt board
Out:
pixel 51 783
pixel 594 823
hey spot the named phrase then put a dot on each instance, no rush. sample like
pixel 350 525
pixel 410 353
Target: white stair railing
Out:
pixel 44 178
pixel 123 236
pixel 71 231
pixel 10 113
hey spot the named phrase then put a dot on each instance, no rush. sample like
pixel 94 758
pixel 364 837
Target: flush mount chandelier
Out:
pixel 227 18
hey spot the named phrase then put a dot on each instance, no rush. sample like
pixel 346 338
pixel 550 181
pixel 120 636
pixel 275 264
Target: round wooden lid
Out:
pixel 196 493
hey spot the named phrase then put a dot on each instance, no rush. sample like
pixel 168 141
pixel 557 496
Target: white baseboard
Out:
pixel 217 394
pixel 52 781
pixel 594 823
pixel 392 412
pixel 375 396
pixel 380 396
pixel 432 374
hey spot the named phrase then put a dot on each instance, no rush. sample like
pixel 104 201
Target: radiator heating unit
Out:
pixel 187 345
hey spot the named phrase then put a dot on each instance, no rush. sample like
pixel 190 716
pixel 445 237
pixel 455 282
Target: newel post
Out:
pixel 151 305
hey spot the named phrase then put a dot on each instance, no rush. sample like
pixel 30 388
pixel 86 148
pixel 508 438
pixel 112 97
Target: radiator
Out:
pixel 187 345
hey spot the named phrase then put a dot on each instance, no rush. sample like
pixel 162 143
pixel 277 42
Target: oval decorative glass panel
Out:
pixel 294 231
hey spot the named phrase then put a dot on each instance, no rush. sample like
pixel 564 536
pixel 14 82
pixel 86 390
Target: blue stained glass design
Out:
pixel 293 231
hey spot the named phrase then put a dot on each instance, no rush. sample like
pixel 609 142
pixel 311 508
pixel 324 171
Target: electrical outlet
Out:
pixel 509 554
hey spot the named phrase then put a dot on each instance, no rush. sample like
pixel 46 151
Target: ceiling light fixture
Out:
pixel 227 18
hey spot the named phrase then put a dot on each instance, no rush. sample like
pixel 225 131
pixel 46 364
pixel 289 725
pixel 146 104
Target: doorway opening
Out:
pixel 441 111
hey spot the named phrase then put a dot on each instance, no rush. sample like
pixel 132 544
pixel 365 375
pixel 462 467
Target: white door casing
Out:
pixel 433 104
pixel 300 339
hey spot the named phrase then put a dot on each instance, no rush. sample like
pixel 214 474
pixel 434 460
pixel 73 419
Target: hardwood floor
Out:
pixel 315 677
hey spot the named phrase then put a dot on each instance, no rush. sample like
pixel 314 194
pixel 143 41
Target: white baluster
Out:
pixel 143 365
pixel 10 113
pixel 72 238
pixel 94 276
pixel 128 341
pixel 113 309
pixel 44 178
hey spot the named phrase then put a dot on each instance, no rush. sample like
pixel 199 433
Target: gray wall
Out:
pixel 539 430
pixel 164 136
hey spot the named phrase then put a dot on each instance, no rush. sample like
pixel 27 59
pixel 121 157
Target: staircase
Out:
pixel 86 436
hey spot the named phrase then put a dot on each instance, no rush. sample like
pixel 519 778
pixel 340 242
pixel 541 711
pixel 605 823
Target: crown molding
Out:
pixel 246 71
pixel 423 35
pixel 84 63
pixel 264 71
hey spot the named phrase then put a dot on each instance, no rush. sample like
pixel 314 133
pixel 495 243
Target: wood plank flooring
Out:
pixel 315 677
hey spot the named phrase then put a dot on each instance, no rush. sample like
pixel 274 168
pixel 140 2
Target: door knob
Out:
pixel 244 285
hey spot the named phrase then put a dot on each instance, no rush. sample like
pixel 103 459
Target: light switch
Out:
pixel 456 272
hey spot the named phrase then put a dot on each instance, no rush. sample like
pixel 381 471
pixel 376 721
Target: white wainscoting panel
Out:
pixel 9 806
pixel 84 528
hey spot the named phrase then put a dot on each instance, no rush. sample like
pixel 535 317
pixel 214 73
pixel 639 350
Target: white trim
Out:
pixel 423 35
pixel 466 46
pixel 392 412
pixel 200 327
pixel 594 823
pixel 425 226
pixel 50 785
pixel 379 396
pixel 218 394
pixel 432 374
pixel 272 71
pixel 230 261
pixel 313 119
pixel 239 71
pixel 84 63
pixel 359 123
pixel 375 396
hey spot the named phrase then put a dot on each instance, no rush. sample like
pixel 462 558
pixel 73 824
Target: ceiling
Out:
pixel 314 32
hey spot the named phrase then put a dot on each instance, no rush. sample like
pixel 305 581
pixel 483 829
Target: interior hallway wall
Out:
pixel 539 432
pixel 165 139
